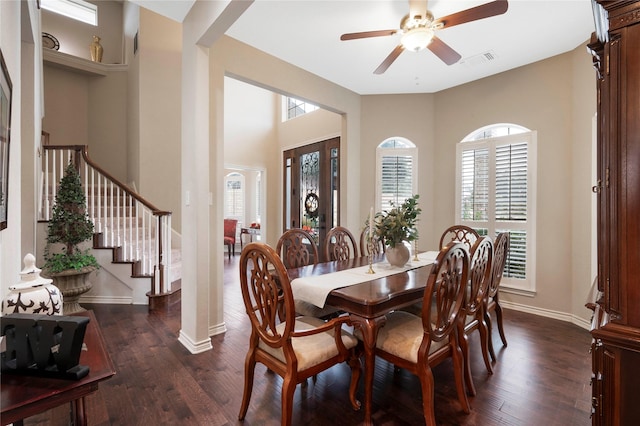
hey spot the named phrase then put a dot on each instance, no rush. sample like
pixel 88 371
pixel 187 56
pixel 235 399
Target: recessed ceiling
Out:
pixel 306 33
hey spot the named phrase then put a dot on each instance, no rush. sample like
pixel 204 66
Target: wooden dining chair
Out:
pixel 339 244
pixel 378 246
pixel 472 315
pixel 296 347
pixel 419 343
pixel 296 248
pixel 462 233
pixel 492 303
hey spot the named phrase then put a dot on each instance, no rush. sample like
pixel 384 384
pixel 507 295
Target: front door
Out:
pixel 312 188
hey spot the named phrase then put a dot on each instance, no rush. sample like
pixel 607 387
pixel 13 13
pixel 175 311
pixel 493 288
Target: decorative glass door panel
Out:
pixel 312 188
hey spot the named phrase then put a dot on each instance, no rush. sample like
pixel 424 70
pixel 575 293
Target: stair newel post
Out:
pixel 159 257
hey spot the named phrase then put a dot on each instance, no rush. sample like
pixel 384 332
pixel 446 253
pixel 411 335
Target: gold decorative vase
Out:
pixel 96 49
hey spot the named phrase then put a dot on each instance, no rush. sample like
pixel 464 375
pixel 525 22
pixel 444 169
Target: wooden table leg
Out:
pixel 78 411
pixel 369 328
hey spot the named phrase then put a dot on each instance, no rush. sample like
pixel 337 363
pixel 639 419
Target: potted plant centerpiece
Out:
pixel 397 226
pixel 68 228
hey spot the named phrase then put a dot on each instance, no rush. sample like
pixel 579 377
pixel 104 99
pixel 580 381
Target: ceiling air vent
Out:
pixel 479 59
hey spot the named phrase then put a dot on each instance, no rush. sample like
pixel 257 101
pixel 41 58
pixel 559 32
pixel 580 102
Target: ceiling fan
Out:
pixel 419 27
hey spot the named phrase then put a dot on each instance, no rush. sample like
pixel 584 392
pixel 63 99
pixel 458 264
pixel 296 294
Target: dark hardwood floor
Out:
pixel 541 378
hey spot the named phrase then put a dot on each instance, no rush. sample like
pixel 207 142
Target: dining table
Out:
pixel 365 296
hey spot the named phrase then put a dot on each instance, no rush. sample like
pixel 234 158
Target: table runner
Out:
pixel 315 289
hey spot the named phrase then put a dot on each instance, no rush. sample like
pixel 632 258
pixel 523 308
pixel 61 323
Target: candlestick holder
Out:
pixel 415 250
pixel 370 246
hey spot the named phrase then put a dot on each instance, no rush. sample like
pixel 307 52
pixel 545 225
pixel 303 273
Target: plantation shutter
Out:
pixel 511 202
pixel 397 179
pixel 475 185
pixel 495 193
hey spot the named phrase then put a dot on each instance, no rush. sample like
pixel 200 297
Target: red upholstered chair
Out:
pixel 230 226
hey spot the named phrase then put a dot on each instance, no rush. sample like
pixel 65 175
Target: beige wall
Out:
pixel 249 65
pixel 556 98
pixel 160 110
pixel 407 116
pixel 254 137
pixel 75 37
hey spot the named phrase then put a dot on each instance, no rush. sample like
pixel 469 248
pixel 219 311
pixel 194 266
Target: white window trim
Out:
pixel 79 10
pixel 380 153
pixel 526 287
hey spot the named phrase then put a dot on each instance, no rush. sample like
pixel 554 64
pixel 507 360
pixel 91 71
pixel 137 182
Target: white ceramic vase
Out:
pixel 398 255
pixel 33 294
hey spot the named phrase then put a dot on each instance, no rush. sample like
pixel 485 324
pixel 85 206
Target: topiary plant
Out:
pixel 70 226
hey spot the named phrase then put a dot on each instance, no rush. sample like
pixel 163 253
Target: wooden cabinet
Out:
pixel 616 326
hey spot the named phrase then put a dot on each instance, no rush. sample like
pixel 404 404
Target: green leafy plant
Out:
pixel 70 226
pixel 399 223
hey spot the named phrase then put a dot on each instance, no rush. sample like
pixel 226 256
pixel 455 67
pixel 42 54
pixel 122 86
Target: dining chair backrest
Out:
pixel 472 312
pixel 377 243
pixel 479 274
pixel 297 248
pixel 462 233
pixel 444 295
pixel 500 252
pixel 339 244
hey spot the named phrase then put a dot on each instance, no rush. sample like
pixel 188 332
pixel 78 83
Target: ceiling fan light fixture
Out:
pixel 417 38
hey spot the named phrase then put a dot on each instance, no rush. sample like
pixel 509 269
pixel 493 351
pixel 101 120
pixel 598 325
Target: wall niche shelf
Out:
pixel 72 63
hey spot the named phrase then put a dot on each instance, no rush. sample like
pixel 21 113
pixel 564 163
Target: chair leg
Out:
pixel 458 365
pixel 487 319
pixel 464 346
pixel 428 395
pixel 499 321
pixel 249 369
pixel 484 342
pixel 288 389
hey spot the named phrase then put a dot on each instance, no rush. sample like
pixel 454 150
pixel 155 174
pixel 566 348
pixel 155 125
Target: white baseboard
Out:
pixel 217 329
pixel 115 300
pixel 548 313
pixel 194 347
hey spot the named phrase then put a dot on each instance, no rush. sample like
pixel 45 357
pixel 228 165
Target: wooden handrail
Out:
pixel 84 150
pixel 122 217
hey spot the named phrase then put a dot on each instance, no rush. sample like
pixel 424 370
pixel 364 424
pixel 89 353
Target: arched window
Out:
pixel 496 192
pixel 396 172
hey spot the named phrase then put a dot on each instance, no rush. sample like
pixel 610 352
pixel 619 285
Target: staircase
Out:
pixel 132 238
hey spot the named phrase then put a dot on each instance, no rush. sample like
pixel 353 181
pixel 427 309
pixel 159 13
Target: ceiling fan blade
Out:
pixel 389 60
pixel 486 10
pixel 366 34
pixel 443 51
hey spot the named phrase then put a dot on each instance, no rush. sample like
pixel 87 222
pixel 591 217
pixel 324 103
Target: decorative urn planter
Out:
pixel 398 255
pixel 73 283
pixel 33 294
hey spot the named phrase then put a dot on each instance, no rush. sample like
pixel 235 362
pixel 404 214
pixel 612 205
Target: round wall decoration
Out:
pixel 50 42
pixel 311 205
